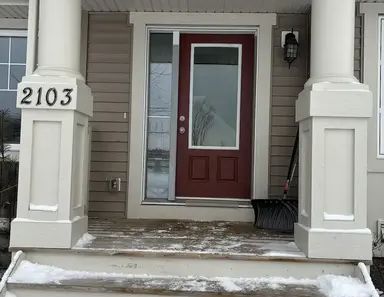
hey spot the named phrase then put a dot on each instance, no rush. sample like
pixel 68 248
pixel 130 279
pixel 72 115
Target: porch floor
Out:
pixel 210 239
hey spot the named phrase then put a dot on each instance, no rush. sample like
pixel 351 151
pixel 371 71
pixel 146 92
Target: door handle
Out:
pixel 181 130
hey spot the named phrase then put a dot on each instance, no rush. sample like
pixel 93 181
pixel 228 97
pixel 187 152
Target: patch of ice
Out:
pixel 85 240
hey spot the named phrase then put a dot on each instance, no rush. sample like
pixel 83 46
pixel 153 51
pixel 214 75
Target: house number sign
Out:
pixel 50 96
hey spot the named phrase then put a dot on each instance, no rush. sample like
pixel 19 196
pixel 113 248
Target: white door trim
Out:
pixel 234 22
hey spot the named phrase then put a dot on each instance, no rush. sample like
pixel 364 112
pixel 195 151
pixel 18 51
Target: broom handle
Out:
pixel 292 165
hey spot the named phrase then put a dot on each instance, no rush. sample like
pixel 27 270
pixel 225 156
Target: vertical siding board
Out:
pixel 109 62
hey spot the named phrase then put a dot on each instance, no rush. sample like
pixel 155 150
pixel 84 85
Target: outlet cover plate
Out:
pixel 380 229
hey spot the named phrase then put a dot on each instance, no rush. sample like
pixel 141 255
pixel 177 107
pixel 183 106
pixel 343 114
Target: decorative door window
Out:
pixel 215 107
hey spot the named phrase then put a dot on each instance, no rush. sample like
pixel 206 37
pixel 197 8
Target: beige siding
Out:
pixel 358 48
pixel 287 83
pixel 108 75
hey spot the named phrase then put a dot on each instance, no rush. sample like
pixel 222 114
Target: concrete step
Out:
pixel 183 265
pixel 31 280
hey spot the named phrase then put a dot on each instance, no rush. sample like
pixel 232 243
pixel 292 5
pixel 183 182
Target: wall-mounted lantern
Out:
pixel 289 41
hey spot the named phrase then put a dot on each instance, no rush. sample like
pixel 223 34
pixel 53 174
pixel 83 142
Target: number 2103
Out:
pixel 50 96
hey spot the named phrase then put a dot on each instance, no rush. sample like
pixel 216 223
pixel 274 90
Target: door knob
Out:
pixel 181 130
pixel 182 118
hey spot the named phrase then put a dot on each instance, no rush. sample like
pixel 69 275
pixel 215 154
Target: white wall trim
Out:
pixel 32 36
pixel 371 62
pixel 262 23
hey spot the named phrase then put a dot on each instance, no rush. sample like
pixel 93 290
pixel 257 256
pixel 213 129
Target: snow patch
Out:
pixel 85 240
pixel 330 285
pixel 229 285
pixel 280 254
pixel 342 286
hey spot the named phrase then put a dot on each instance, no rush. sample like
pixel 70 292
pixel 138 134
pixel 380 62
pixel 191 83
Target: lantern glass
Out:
pixel 291 48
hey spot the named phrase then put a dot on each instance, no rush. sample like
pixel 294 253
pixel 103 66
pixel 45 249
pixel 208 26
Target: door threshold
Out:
pixel 201 202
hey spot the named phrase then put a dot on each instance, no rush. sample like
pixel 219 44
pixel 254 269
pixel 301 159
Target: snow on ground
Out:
pixel 341 286
pixel 330 285
pixel 85 240
pixel 282 254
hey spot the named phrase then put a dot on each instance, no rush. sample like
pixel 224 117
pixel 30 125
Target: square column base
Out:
pixel 47 234
pixel 334 244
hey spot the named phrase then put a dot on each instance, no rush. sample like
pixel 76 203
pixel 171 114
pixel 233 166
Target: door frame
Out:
pixel 251 23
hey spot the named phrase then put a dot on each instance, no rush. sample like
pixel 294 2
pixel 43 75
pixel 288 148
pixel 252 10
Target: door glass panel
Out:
pixel 215 97
pixel 159 112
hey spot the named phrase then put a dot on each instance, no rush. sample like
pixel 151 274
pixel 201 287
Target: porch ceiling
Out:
pixel 19 8
pixel 199 5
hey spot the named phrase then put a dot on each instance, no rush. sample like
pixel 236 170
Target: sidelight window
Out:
pixel 159 115
pixel 380 107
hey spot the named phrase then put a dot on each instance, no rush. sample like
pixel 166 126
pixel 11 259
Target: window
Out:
pixel 159 115
pixel 214 112
pixel 12 69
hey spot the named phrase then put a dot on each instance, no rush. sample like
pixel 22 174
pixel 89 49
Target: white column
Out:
pixel 59 44
pixel 332 40
pixel 333 111
pixel 56 105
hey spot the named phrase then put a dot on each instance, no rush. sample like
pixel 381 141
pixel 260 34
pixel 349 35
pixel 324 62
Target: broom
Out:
pixel 279 214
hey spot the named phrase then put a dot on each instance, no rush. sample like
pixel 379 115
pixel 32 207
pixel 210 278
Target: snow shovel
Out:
pixel 279 214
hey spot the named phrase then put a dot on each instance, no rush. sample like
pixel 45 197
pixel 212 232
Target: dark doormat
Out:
pixel 377 274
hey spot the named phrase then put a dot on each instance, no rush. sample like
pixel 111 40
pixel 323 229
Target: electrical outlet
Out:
pixel 380 229
pixel 114 184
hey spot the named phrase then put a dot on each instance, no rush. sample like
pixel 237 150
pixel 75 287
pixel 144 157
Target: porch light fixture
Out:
pixel 291 45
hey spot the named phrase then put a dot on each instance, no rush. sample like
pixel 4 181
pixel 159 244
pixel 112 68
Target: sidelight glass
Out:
pixel 159 113
pixel 215 96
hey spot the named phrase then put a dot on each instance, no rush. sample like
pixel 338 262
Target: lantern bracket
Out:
pixel 284 33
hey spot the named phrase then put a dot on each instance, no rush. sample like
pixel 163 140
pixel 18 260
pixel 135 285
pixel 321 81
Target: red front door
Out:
pixel 214 142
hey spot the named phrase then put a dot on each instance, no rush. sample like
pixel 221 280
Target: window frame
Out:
pixel 14 148
pixel 380 94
